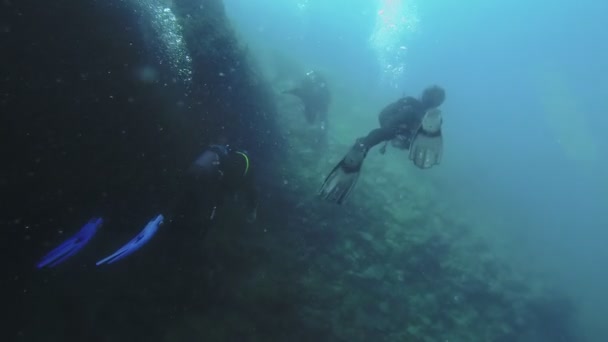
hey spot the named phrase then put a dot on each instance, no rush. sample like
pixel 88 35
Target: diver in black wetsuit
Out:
pixel 409 123
pixel 215 174
pixel 315 96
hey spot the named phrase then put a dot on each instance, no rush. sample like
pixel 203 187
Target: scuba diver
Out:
pixel 314 93
pixel 216 173
pixel 408 123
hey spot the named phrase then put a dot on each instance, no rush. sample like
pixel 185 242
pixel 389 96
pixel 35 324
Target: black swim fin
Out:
pixel 342 179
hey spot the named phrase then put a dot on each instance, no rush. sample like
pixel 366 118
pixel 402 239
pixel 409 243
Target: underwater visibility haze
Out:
pixel 304 170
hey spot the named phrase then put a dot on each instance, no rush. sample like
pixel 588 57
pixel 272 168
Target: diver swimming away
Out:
pixel 315 96
pixel 217 172
pixel 409 124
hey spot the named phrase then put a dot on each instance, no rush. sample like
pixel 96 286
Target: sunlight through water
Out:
pixel 396 22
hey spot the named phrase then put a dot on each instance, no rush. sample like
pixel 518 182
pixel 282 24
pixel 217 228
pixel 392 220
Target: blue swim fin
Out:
pixel 136 243
pixel 72 245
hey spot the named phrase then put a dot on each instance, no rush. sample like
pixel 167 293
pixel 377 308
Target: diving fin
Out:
pixel 426 149
pixel 342 179
pixel 72 245
pixel 136 243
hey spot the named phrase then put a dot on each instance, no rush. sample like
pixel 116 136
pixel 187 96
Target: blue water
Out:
pixel 524 120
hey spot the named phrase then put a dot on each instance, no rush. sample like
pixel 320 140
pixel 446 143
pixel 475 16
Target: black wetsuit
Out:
pixel 315 95
pixel 402 117
pixel 237 178
pixel 320 93
pixel 400 122
pixel 205 191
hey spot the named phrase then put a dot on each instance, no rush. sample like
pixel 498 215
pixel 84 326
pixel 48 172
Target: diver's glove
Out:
pixel 426 149
pixel 136 243
pixel 71 246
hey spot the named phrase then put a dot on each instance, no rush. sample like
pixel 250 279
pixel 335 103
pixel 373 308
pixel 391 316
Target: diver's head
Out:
pixel 208 163
pixel 432 97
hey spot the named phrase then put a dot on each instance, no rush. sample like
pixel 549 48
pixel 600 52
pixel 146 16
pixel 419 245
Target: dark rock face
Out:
pixel 96 119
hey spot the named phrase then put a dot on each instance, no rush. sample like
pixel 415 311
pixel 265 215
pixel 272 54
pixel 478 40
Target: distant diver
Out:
pixel 315 96
pixel 219 171
pixel 408 123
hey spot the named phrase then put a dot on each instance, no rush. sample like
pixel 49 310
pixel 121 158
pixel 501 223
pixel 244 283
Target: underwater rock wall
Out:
pixel 103 103
pixel 99 118
pixel 87 94
pixel 395 263
pixel 235 102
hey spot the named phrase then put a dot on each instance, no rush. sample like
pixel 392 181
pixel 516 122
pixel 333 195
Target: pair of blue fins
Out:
pixel 74 244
